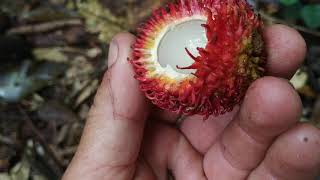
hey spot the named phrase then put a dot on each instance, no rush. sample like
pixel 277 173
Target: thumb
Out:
pixel 113 133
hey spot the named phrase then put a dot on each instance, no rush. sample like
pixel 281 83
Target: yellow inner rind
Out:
pixel 249 59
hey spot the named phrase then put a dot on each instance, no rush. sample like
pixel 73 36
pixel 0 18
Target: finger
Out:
pixel 165 148
pixel 111 139
pixel 286 50
pixel 295 155
pixel 143 171
pixel 270 107
pixel 203 133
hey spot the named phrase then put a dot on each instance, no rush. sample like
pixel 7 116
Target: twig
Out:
pixel 42 141
pixel 276 20
pixel 68 151
pixel 7 141
pixel 44 27
pixel 110 21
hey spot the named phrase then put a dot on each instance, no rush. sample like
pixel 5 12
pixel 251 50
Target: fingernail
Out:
pixel 113 52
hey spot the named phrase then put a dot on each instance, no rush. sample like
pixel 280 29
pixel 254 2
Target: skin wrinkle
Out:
pixel 113 53
pixel 143 162
pixel 228 155
pixel 288 166
pixel 292 168
pixel 257 124
pixel 109 85
pixel 282 176
pixel 112 97
pixel 175 154
pixel 262 146
pixel 150 167
pixel 152 145
pixel 224 150
pixel 119 168
pixel 265 173
pixel 118 109
pixel 207 131
pixel 112 165
pixel 174 157
pixel 169 157
pixel 106 167
pixel 261 143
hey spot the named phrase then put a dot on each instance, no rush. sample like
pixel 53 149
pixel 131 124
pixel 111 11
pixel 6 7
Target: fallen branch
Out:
pixel 44 27
pixel 7 141
pixel 58 164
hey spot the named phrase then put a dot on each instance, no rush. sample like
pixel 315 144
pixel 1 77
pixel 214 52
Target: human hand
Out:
pixel 127 138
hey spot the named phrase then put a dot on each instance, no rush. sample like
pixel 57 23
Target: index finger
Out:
pixel 286 50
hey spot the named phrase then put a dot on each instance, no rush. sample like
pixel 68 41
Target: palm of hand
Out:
pixel 259 140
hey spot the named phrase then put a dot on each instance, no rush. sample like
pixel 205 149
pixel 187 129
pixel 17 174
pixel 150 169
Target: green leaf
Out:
pixel 311 15
pixel 288 2
pixel 289 13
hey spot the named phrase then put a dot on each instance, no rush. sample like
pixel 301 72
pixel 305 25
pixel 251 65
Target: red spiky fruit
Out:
pixel 199 56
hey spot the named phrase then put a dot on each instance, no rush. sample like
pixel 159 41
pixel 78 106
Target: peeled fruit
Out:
pixel 199 56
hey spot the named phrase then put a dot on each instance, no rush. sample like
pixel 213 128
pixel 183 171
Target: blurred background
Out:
pixel 53 55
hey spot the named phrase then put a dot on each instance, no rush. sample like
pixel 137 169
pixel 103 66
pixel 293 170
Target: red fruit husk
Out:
pixel 232 59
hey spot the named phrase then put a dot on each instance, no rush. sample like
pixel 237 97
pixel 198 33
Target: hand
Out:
pixel 127 138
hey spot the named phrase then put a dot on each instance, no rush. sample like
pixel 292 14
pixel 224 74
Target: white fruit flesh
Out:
pixel 171 50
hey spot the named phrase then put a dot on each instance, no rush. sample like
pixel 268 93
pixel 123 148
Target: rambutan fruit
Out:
pixel 199 56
